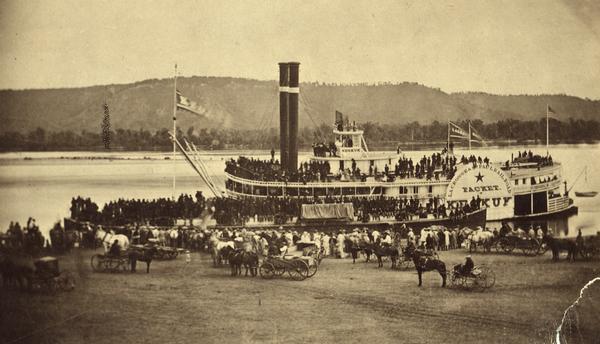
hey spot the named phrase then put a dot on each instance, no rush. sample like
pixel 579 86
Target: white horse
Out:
pixel 107 239
pixel 215 248
pixel 480 238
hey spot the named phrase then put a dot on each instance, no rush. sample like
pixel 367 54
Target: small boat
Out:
pixel 586 193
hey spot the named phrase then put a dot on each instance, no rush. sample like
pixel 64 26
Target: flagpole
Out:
pixel 547 132
pixel 174 129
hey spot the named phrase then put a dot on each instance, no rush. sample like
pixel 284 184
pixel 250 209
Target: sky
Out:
pixel 502 47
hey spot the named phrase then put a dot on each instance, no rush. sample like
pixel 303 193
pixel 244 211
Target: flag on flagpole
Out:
pixel 551 113
pixel 184 103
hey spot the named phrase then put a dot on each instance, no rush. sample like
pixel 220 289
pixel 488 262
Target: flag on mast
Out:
pixel 551 113
pixel 184 103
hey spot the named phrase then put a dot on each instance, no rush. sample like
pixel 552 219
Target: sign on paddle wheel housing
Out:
pixel 48 277
pixel 109 263
pixel 529 246
pixel 480 278
pixel 296 267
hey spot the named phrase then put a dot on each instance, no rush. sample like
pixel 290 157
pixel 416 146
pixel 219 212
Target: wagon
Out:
pixel 480 278
pixel 110 263
pixel 529 246
pixel 312 256
pixel 48 277
pixel 589 248
pixel 273 266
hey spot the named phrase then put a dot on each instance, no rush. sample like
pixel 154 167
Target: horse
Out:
pixel 558 245
pixel 238 258
pixel 423 263
pixel 357 247
pixel 385 251
pixel 216 248
pixel 480 237
pixel 107 239
pixel 145 255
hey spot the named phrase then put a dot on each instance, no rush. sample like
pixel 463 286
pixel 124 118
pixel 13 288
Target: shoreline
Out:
pixel 166 156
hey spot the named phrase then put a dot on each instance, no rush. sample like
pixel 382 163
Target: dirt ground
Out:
pixel 196 303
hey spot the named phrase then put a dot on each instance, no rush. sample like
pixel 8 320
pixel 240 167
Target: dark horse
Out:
pixel 385 251
pixel 249 260
pixel 558 245
pixel 425 262
pixel 354 248
pixel 145 255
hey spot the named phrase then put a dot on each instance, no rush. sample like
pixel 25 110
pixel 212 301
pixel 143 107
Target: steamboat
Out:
pixel 524 187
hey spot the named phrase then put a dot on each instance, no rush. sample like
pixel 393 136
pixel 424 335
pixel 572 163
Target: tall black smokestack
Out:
pixel 294 92
pixel 283 114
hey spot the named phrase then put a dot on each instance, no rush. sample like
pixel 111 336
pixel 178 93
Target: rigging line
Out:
pixel 308 108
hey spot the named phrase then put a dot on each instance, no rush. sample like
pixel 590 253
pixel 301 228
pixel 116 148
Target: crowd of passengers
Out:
pixel 434 167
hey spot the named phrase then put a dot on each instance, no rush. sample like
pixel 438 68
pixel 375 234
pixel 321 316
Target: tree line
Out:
pixel 377 135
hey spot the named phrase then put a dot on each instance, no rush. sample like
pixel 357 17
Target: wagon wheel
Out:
pixel 113 264
pixel 469 283
pixel 97 262
pixel 486 277
pixel 298 270
pixel 279 269
pixel 267 270
pixel 312 268
pixel 455 280
pixel 507 246
pixel 586 253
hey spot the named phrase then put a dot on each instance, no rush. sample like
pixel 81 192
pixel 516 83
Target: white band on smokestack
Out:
pixel 293 90
pixel 284 89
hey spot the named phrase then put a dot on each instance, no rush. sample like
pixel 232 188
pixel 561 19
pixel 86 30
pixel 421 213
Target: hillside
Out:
pixel 245 103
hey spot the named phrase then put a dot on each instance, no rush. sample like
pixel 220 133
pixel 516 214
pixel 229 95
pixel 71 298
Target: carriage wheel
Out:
pixel 113 264
pixel 312 268
pixel 487 277
pixel 278 269
pixel 469 283
pixel 455 280
pixel 298 270
pixel 97 263
pixel 267 270
pixel 507 247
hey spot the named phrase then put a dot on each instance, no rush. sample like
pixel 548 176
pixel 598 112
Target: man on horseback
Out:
pixel 466 268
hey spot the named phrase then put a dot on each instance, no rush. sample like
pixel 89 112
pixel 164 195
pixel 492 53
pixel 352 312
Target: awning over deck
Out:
pixel 327 211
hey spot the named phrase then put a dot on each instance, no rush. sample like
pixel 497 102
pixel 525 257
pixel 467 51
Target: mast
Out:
pixel 547 132
pixel 448 143
pixel 174 129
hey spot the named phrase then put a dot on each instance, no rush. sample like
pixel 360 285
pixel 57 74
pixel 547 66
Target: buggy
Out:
pixel 48 277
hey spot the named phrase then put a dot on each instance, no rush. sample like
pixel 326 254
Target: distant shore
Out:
pixel 234 152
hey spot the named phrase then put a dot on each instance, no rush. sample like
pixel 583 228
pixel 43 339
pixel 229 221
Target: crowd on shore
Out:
pixel 123 211
pixel 240 211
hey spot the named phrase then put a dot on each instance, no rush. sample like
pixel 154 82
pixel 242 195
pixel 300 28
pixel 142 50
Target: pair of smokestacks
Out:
pixel 289 91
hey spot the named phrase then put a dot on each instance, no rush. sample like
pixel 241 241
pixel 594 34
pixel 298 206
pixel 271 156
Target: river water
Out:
pixel 41 185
